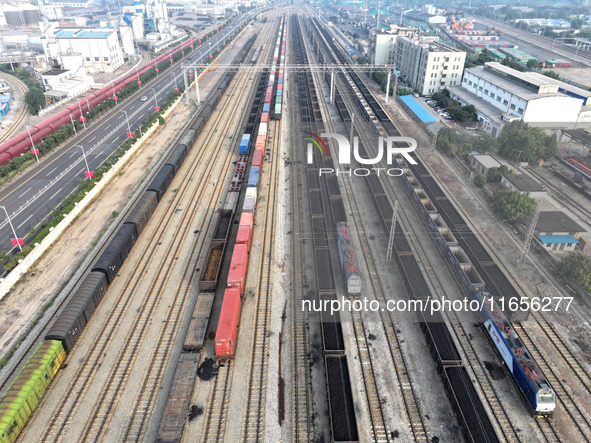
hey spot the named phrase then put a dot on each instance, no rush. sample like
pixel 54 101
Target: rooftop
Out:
pixel 558 239
pixel 557 221
pixel 55 72
pixel 506 84
pixel 486 160
pixel 524 183
pixel 76 33
pixel 482 106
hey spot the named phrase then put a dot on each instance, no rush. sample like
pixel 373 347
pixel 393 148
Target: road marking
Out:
pixel 25 221
pixel 25 192
pixel 57 192
pixel 92 138
pixel 73 154
pixel 51 171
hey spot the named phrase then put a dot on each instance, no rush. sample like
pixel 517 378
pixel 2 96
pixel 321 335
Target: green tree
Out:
pixel 447 140
pixel 532 63
pixel 479 179
pixel 401 90
pixel 465 114
pixel 552 74
pixel 34 99
pixel 485 143
pixel 576 23
pixel 513 206
pixel 362 60
pixel 576 267
pixel 520 140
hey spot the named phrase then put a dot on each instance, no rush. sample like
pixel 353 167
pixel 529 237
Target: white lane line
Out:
pixel 25 192
pixel 25 221
pixel 73 154
pixel 57 192
pixel 92 139
pixel 51 171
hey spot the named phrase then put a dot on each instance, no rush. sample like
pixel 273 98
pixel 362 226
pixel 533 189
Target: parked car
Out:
pixel 471 128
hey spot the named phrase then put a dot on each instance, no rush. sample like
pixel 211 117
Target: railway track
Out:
pixel 22 113
pixel 214 427
pixel 302 421
pixel 562 196
pixel 380 433
pixel 109 397
pixel 253 420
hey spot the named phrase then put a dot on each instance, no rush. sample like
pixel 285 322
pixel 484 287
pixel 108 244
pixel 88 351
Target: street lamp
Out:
pixel 115 98
pixel 33 149
pixel 15 241
pixel 156 107
pixel 129 133
pixel 88 173
pixel 73 125
pixel 82 118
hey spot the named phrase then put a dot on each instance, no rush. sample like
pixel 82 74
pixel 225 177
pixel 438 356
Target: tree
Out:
pixel 576 23
pixel 577 267
pixel 485 143
pixel 532 63
pixel 447 139
pixel 520 140
pixel 513 206
pixel 479 179
pixel 552 74
pixel 465 114
pixel 362 60
pixel 34 99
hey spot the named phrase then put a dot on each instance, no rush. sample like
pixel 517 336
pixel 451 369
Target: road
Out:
pixel 564 51
pixel 31 197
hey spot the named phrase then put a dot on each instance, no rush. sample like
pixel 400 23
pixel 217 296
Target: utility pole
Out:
pixel 530 232
pixel 392 229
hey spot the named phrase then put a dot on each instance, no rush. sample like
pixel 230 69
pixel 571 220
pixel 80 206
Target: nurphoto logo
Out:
pixel 344 154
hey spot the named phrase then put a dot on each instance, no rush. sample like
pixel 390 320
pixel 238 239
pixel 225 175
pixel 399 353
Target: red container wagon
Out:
pixel 265 117
pixel 238 265
pixel 39 136
pixel 246 219
pixel 19 148
pixel 257 158
pixel 227 330
pixel 243 236
pixel 260 144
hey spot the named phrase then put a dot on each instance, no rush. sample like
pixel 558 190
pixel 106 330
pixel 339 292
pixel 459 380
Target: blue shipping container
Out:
pixel 253 177
pixel 270 83
pixel 266 107
pixel 280 93
pixel 246 137
pixel 244 147
pixel 280 81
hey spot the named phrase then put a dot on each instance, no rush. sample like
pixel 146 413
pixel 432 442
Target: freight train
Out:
pixel 31 383
pixel 227 329
pixel 21 143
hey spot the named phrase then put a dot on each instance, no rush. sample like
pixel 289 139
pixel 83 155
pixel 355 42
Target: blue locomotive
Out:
pixel 533 385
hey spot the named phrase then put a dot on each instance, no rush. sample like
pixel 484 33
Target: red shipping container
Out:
pixel 225 336
pixel 257 158
pixel 246 219
pixel 280 87
pixel 243 236
pixel 237 273
pixel 265 117
pixel 260 143
pixel 270 90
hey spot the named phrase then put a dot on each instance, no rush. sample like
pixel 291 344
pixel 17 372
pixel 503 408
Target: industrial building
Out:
pixel 502 94
pixel 557 232
pixel 482 163
pixel 523 184
pixel 97 50
pixel 18 14
pixel 428 65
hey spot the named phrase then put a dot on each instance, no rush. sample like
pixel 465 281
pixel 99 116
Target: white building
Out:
pixel 100 48
pixel 72 3
pixel 502 94
pixel 382 44
pixel 428 65
pixel 18 14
